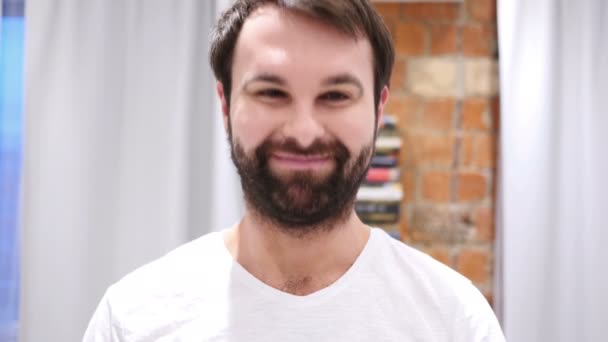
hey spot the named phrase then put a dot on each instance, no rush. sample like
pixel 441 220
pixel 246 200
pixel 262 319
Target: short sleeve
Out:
pixel 101 328
pixel 477 321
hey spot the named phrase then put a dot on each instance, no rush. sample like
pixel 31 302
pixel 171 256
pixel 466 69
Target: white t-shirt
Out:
pixel 199 293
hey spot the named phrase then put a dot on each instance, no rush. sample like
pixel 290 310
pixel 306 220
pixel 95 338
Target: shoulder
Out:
pixel 437 290
pixel 409 262
pixel 189 260
pixel 176 278
pixel 163 293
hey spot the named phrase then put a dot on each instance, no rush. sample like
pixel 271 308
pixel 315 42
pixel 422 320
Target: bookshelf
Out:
pixel 379 198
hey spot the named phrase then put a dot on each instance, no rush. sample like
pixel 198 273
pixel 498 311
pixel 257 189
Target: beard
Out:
pixel 301 202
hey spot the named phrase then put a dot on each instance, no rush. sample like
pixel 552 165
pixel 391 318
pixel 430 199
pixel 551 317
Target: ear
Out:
pixel 381 105
pixel 219 87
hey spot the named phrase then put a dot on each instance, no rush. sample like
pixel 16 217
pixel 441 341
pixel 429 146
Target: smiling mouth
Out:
pixel 299 161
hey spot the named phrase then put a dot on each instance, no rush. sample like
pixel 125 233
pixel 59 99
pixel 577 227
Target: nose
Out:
pixel 303 126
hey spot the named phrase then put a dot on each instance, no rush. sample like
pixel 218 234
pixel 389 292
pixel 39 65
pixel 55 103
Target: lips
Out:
pixel 300 161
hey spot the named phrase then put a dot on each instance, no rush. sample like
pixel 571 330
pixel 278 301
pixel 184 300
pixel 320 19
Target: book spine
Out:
pixel 379 197
pixel 388 192
pixel 379 218
pixel 384 161
pixel 382 175
pixel 388 143
pixel 377 207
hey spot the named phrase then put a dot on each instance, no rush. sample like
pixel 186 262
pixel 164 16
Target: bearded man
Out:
pixel 303 85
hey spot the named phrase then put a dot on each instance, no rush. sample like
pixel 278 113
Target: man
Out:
pixel 303 85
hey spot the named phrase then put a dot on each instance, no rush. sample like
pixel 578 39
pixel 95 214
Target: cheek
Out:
pixel 250 125
pixel 355 130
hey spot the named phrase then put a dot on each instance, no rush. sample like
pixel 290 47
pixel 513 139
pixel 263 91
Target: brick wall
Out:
pixel 444 94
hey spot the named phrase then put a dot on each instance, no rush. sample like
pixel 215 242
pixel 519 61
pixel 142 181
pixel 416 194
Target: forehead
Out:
pixel 280 41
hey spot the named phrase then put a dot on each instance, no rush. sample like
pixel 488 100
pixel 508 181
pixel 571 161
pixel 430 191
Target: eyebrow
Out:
pixel 265 77
pixel 339 79
pixel 343 79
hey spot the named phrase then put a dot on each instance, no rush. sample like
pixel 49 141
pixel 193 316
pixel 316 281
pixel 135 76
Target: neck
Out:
pixel 296 263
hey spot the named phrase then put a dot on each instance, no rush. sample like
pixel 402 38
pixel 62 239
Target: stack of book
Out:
pixel 379 197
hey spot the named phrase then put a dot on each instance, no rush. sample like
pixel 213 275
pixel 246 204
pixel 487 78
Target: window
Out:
pixel 11 108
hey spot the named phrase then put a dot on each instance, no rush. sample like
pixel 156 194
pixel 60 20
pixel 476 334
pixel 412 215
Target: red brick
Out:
pixel 489 297
pixel 482 10
pixel 474 114
pixel 405 109
pixel 471 186
pixel 484 223
pixel 430 224
pixel 429 149
pixel 422 236
pixel 436 186
pixel 388 11
pixel 477 40
pixel 441 254
pixel 410 39
pixel 403 229
pixel 485 151
pixel 473 264
pixel 431 11
pixel 398 76
pixel 407 180
pixel 444 39
pixel 466 150
pixel 437 114
pixel 429 135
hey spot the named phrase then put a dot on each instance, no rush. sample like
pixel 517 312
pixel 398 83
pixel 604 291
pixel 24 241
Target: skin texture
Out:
pixel 298 80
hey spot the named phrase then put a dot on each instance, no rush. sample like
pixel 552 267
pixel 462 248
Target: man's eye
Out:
pixel 272 93
pixel 335 96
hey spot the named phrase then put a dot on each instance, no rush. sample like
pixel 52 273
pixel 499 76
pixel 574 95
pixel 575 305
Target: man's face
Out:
pixel 301 117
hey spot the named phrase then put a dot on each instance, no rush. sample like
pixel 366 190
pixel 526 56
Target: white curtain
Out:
pixel 554 169
pixel 125 157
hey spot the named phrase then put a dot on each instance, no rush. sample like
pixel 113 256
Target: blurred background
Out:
pixel 11 117
pixel 492 158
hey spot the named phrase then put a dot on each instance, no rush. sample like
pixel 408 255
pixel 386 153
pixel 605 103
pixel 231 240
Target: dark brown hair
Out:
pixel 355 18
